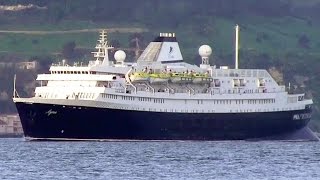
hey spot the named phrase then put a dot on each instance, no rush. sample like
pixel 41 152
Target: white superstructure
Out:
pixel 161 82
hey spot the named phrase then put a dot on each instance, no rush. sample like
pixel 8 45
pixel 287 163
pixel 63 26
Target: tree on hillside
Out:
pixel 68 49
pixel 304 41
pixel 115 43
pixel 276 74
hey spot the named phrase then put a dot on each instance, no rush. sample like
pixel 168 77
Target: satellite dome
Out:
pixel 120 56
pixel 205 51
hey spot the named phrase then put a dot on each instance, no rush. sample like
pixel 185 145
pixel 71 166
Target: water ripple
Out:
pixel 159 160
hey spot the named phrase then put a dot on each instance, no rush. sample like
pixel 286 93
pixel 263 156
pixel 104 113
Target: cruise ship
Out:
pixel 159 97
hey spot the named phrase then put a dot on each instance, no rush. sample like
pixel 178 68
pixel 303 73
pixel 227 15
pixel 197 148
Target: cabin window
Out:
pixel 200 101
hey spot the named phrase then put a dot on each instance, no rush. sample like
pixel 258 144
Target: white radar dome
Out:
pixel 205 51
pixel 120 56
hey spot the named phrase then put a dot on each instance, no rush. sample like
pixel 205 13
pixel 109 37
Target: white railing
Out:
pixel 74 77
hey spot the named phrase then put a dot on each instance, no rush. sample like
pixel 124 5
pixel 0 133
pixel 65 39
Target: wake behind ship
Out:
pixel 159 97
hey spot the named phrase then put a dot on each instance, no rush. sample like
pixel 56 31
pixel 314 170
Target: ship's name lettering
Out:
pixel 50 112
pixel 301 116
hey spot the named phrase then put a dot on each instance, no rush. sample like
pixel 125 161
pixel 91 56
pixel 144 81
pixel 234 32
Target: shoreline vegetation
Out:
pixel 110 30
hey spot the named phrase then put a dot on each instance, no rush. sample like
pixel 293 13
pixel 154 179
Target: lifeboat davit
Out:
pixel 201 79
pixel 181 78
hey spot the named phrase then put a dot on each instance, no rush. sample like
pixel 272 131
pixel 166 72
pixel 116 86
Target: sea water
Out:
pixel 20 159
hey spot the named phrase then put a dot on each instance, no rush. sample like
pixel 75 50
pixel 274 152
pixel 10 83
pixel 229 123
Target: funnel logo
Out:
pixel 171 54
pixel 171 50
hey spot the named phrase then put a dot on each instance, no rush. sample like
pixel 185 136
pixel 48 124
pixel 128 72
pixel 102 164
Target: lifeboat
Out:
pixel 139 77
pixel 159 78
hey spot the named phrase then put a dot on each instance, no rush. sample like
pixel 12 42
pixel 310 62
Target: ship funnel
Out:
pixel 164 49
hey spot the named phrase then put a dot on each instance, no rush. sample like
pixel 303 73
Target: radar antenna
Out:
pixel 205 51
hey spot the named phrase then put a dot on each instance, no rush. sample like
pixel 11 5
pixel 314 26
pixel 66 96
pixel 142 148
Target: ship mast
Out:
pixel 15 92
pixel 236 66
pixel 102 47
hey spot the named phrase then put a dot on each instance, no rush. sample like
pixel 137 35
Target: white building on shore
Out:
pixel 10 125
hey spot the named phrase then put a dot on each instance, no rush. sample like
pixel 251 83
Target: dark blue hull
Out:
pixel 48 121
